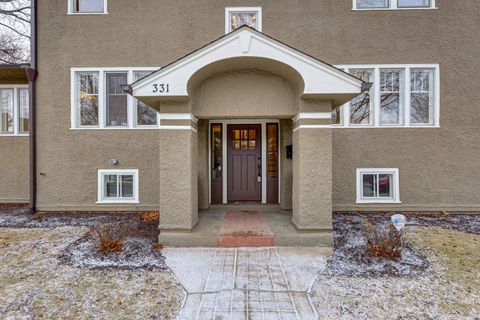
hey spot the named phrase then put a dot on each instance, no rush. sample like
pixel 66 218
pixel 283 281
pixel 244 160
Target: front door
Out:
pixel 244 163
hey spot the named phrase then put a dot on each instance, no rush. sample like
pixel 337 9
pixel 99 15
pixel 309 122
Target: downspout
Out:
pixel 31 76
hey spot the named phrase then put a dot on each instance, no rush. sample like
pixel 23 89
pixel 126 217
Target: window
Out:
pixel 393 4
pixel 401 96
pixel 14 110
pixel 361 106
pixel 99 101
pixel 87 94
pixel 421 96
pixel 87 6
pixel 237 17
pixel 146 115
pixel 118 186
pixel 391 98
pixel 378 186
pixel 116 107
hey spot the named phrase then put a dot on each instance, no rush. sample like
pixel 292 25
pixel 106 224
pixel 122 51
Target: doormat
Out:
pixel 245 229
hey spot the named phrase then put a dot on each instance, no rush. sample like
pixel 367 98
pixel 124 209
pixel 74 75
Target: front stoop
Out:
pixel 245 229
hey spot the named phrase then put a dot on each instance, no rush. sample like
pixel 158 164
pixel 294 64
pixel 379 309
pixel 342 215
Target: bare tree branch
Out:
pixel 15 31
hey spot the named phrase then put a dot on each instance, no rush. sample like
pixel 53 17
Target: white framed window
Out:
pixel 99 102
pixel 14 110
pixel 401 96
pixel 118 186
pixel 87 7
pixel 378 185
pixel 235 17
pixel 393 4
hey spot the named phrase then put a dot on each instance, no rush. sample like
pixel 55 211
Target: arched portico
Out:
pixel 244 81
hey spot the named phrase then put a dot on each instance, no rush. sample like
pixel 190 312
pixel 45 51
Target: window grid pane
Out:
pixel 391 99
pixel 413 3
pixel 88 6
pixel 23 111
pixel 146 115
pixel 373 3
pixel 6 109
pixel 421 96
pixel 116 108
pixel 238 19
pixel 126 187
pixel 87 88
pixel 361 106
pixel 110 186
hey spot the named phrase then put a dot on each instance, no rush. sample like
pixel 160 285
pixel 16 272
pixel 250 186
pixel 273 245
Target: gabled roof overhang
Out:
pixel 320 80
pixel 13 73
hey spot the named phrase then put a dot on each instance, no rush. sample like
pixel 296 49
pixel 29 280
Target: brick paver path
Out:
pixel 245 229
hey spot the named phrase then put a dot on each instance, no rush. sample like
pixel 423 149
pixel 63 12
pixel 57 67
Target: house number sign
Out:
pixel 161 88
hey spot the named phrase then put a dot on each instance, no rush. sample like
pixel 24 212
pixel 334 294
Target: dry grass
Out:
pixel 150 216
pixel 111 237
pixel 383 241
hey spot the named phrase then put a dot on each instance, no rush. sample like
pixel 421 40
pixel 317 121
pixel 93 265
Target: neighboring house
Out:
pixel 178 106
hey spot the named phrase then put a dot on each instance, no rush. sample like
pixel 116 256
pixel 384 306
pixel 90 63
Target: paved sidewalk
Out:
pixel 247 283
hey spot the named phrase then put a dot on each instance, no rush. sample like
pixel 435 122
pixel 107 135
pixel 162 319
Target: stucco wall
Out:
pixel 439 168
pixel 14 170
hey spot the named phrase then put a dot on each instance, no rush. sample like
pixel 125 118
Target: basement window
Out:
pixel 378 185
pixel 87 6
pixel 118 186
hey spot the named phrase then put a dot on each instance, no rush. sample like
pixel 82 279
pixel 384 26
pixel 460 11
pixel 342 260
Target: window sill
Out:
pixel 393 9
pixel 373 201
pixel 118 128
pixel 86 13
pixel 384 127
pixel 117 202
pixel 14 135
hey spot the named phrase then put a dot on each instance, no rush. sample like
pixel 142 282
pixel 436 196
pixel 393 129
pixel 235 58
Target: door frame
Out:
pixel 263 123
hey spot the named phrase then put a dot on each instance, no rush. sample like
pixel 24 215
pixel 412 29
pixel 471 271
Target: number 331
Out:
pixel 161 88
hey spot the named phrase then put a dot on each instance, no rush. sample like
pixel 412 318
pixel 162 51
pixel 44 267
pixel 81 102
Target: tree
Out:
pixel 15 31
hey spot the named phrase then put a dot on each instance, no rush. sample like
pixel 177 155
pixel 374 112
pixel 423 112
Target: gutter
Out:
pixel 32 76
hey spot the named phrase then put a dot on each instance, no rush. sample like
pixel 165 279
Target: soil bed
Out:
pixel 350 256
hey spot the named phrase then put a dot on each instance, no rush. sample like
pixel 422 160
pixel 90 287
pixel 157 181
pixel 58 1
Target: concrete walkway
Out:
pixel 247 283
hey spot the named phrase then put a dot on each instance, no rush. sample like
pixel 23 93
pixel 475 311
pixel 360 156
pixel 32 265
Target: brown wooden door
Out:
pixel 244 163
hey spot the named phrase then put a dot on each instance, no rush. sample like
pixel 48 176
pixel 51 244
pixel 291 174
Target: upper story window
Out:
pixel 236 17
pixel 393 4
pixel 87 6
pixel 14 110
pixel 401 96
pixel 98 100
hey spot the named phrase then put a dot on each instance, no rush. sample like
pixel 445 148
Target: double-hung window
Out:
pixel 14 110
pixel 99 100
pixel 378 185
pixel 118 186
pixel 393 4
pixel 400 96
pixel 87 6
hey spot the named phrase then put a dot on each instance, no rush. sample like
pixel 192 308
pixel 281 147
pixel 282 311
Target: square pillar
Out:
pixel 178 177
pixel 312 171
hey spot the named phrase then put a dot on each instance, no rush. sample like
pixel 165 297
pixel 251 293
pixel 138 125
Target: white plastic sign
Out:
pixel 398 221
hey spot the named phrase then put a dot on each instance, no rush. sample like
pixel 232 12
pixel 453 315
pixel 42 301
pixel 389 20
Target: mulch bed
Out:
pixel 350 255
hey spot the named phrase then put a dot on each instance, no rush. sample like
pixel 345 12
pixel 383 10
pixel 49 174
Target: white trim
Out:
pixel 313 126
pixel 405 95
pixel 100 186
pixel 177 128
pixel 393 5
pixel 177 116
pixel 71 12
pixel 395 185
pixel 225 123
pixel 312 115
pixel 257 10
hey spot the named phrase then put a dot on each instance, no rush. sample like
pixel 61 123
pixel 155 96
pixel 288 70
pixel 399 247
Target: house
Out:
pixel 306 107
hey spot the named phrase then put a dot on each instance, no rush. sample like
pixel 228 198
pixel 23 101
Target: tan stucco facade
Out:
pixel 439 167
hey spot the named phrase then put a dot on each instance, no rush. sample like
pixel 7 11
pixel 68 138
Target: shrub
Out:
pixel 383 241
pixel 111 237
